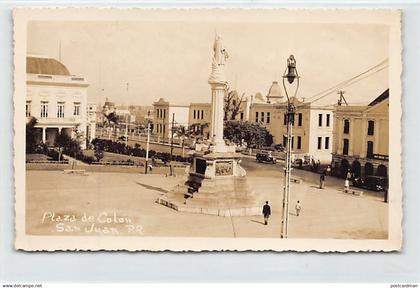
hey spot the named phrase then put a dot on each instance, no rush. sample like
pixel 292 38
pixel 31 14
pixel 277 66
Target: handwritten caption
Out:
pixel 105 223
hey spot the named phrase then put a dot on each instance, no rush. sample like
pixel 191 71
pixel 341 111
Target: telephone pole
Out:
pixel 126 122
pixel 147 145
pixel 172 144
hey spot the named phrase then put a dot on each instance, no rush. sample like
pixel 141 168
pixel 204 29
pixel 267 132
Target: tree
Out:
pixel 250 134
pixel 31 135
pixel 111 120
pixel 99 151
pixel 232 104
pixel 70 146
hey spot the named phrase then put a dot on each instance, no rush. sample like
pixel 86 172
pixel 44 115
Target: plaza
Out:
pixel 327 213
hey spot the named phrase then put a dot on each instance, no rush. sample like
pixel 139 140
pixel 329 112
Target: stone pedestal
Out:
pixel 216 182
pixel 216 185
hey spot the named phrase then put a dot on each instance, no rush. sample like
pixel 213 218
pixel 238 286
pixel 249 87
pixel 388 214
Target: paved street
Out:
pixel 327 213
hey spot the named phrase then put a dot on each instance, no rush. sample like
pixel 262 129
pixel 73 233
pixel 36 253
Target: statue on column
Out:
pixel 220 55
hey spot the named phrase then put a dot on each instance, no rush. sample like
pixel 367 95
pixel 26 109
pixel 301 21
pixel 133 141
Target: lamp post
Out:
pixel 290 74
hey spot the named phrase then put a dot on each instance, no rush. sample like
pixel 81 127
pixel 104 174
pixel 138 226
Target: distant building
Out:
pixel 361 138
pixel 57 99
pixel 200 118
pixel 312 129
pixel 162 117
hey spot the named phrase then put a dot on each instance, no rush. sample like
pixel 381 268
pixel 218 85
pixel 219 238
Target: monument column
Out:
pixel 218 83
pixel 218 91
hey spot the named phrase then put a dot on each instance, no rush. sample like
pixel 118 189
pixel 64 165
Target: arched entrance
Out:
pixel 382 171
pixel 368 169
pixel 356 168
pixel 344 167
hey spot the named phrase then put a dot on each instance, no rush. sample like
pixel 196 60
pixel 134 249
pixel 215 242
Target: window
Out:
pixel 60 110
pixel 371 128
pixel 284 141
pixel 319 120
pixel 285 119
pixel 327 142
pixel 242 115
pixel 256 117
pixel 299 142
pixel 293 141
pixel 369 153
pixel 300 119
pixel 319 143
pixel 28 108
pixel 346 126
pixel 164 116
pixel 346 147
pixel 268 117
pixel 202 114
pixel 262 117
pixel 76 111
pixel 194 114
pixel 164 126
pixel 44 109
pixel 328 120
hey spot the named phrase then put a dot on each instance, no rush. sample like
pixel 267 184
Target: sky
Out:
pixel 172 60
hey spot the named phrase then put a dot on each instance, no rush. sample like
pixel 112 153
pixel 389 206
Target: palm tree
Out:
pixel 111 118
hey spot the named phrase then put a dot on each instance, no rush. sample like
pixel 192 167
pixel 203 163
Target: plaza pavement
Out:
pixel 326 213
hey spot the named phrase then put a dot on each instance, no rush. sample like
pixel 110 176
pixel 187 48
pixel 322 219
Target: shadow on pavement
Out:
pixel 152 187
pixel 259 222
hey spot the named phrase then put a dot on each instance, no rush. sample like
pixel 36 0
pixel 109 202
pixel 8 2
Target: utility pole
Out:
pixel 147 144
pixel 172 144
pixel 342 99
pixel 126 122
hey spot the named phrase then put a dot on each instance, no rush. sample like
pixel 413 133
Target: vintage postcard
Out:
pixel 207 129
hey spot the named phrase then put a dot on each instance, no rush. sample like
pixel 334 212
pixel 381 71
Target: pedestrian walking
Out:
pixel 348 177
pixel 298 207
pixel 266 212
pixel 346 186
pixel 321 181
pixel 329 170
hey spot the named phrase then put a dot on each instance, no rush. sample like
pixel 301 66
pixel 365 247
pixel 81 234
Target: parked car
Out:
pixel 375 183
pixel 279 148
pixel 266 157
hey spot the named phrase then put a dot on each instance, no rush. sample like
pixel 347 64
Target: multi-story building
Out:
pixel 200 118
pixel 361 138
pixel 163 112
pixel 57 99
pixel 91 123
pixel 312 129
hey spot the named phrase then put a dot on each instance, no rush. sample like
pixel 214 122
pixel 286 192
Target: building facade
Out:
pixel 361 138
pixel 58 100
pixel 199 118
pixel 163 112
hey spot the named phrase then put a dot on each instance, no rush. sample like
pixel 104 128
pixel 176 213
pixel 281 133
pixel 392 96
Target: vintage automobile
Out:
pixel 266 157
pixel 279 147
pixel 375 183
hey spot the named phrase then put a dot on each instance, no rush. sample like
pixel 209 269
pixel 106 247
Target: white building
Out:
pixel 163 112
pixel 58 100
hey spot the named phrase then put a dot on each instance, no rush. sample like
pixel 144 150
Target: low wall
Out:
pixel 104 168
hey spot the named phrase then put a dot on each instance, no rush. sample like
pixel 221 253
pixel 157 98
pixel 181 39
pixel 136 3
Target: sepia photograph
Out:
pixel 207 129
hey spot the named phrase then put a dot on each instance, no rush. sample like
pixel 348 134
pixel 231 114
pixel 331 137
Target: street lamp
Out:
pixel 290 74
